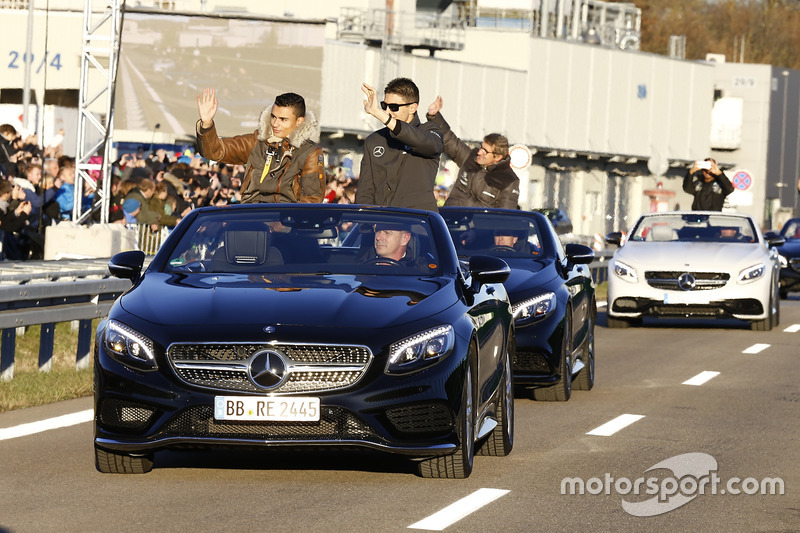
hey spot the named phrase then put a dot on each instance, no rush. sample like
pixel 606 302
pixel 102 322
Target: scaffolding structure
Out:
pixel 101 34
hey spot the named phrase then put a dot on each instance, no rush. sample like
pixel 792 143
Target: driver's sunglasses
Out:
pixel 394 108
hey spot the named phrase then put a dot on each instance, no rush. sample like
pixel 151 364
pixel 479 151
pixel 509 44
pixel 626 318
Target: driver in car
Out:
pixel 509 240
pixel 391 247
pixel 391 241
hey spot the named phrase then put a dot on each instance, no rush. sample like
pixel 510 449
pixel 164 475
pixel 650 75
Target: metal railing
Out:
pixel 46 304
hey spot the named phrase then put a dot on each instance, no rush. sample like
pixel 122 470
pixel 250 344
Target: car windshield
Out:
pixel 498 234
pixel 304 241
pixel 694 227
pixel 791 230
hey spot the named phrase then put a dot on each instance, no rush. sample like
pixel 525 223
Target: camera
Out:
pixel 705 165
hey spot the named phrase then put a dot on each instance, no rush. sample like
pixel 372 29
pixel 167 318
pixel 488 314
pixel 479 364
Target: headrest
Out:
pixel 246 243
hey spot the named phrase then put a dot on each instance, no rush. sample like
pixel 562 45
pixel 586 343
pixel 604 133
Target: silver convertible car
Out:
pixel 694 264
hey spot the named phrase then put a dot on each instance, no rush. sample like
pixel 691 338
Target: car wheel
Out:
pixel 612 322
pixel 501 440
pixel 459 464
pixel 109 462
pixel 766 324
pixel 562 389
pixel 585 379
pixel 776 317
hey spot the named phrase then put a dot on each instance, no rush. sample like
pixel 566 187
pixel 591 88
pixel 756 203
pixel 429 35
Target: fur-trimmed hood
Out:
pixel 307 131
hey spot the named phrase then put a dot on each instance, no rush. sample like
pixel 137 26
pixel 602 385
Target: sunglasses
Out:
pixel 394 108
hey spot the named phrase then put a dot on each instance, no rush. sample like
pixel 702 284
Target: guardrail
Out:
pixel 46 304
pixel 44 293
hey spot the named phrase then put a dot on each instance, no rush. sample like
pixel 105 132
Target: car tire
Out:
pixel 459 464
pixel 765 324
pixel 109 462
pixel 561 390
pixel 501 440
pixel 585 378
pixel 776 316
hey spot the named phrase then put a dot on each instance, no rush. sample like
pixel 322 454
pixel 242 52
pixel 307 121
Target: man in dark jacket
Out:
pixel 401 160
pixel 485 177
pixel 283 162
pixel 708 184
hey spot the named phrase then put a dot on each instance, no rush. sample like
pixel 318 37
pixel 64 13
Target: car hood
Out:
pixel 321 301
pixel 527 275
pixel 791 248
pixel 704 256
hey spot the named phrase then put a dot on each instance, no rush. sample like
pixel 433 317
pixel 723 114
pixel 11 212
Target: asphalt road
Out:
pixel 742 424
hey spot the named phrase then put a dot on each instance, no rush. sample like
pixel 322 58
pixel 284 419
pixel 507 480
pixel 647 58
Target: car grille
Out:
pixel 310 367
pixel 335 423
pixel 703 280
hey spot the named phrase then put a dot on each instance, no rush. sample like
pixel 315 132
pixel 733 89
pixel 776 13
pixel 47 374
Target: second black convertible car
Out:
pixel 551 292
pixel 264 325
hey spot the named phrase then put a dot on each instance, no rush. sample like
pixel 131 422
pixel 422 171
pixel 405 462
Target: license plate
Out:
pixel 260 408
pixel 685 298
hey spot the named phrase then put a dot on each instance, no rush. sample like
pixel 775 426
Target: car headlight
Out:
pixel 752 273
pixel 625 272
pixel 128 346
pixel 533 308
pixel 420 350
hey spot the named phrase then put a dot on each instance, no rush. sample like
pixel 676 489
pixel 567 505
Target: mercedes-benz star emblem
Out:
pixel 686 282
pixel 267 369
pixel 378 151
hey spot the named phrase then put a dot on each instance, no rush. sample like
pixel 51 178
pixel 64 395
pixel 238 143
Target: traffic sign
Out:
pixel 742 180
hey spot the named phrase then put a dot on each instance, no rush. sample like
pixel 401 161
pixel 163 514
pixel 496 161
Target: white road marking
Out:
pixel 602 303
pixel 701 378
pixel 794 328
pixel 44 425
pixel 611 427
pixel 458 510
pixel 756 348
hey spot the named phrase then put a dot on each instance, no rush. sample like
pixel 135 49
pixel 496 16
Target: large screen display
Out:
pixel 166 60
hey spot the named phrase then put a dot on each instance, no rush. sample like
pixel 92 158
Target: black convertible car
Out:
pixel 261 325
pixel 790 257
pixel 551 291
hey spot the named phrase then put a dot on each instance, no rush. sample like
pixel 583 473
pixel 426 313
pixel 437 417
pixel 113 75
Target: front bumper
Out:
pixel 748 301
pixel 414 415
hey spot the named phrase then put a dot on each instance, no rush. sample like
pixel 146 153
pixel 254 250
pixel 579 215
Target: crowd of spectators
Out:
pixel 148 188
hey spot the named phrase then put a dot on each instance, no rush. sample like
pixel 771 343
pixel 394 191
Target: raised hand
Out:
pixel 436 106
pixel 207 106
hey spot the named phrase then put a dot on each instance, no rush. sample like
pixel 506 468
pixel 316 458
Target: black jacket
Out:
pixel 708 195
pixel 475 186
pixel 399 166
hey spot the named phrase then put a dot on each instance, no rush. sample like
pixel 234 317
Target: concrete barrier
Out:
pixel 68 240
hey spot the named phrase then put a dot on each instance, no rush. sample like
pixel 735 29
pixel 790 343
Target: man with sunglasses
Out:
pixel 401 160
pixel 485 177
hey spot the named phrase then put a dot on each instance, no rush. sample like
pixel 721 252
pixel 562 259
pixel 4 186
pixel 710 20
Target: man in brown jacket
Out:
pixel 283 162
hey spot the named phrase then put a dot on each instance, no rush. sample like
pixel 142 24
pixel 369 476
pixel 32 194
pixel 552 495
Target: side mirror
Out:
pixel 488 269
pixel 127 265
pixel 579 254
pixel 614 238
pixel 773 239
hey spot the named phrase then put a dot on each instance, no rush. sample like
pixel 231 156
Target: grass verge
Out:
pixel 30 387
